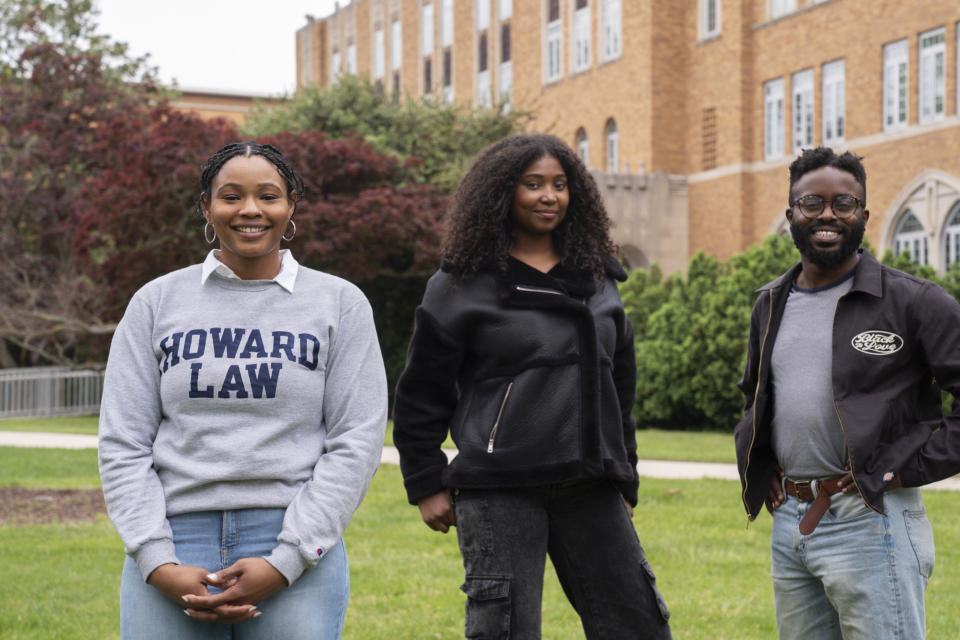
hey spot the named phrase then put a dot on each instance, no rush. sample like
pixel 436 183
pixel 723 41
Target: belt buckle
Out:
pixel 800 486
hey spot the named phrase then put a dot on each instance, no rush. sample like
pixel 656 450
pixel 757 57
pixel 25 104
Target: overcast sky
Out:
pixel 244 46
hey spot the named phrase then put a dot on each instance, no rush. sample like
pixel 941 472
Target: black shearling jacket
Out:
pixel 533 375
pixel 896 343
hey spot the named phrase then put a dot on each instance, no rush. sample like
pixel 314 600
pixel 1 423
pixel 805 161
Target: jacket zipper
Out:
pixel 496 424
pixel 538 290
pixel 756 392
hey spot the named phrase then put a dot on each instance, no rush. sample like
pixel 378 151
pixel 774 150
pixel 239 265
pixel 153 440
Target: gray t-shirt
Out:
pixel 807 437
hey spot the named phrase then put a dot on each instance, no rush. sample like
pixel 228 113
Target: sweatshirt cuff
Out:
pixel 153 554
pixel 287 559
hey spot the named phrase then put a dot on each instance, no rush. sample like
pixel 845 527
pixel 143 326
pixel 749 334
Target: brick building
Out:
pixel 208 103
pixel 694 107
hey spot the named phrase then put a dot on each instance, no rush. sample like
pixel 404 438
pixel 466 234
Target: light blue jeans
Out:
pixel 312 609
pixel 860 575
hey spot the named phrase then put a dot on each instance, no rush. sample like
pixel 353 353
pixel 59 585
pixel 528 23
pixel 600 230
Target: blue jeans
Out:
pixel 312 608
pixel 860 575
pixel 505 536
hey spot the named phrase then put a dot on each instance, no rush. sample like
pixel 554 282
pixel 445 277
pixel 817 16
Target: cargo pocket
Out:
pixel 652 581
pixel 488 607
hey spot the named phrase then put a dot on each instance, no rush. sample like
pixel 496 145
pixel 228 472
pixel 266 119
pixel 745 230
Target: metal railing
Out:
pixel 49 391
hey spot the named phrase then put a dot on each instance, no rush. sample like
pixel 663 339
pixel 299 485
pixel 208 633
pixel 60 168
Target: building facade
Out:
pixel 709 99
pixel 210 104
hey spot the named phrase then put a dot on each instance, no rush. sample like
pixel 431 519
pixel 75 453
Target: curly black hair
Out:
pixel 480 231
pixel 211 167
pixel 811 159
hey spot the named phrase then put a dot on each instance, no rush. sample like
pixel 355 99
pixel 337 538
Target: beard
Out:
pixel 852 237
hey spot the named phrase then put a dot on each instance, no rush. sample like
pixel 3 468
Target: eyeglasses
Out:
pixel 843 206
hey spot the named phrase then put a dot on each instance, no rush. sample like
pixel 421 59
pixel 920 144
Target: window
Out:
pixel 802 110
pixel 335 65
pixel 352 58
pixel 583 147
pixel 613 146
pixel 554 39
pixel 379 55
pixel 446 47
pixel 396 54
pixel 482 22
pixel 708 20
pixel 773 119
pixel 581 35
pixel 610 29
pixel 911 237
pixel 833 102
pixel 708 128
pixel 426 47
pixel 933 51
pixel 895 60
pixel 506 66
pixel 951 237
pixel 781 7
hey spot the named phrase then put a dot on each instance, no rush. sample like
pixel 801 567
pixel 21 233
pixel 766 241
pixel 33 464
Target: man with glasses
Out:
pixel 843 419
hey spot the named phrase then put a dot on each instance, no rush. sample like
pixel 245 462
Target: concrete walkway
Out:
pixel 648 468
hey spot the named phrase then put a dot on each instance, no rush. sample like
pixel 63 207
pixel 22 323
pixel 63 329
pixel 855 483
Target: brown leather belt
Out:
pixel 803 491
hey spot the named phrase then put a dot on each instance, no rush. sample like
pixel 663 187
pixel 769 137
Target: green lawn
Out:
pixel 61 581
pixel 652 444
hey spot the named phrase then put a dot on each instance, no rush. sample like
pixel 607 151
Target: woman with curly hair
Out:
pixel 522 352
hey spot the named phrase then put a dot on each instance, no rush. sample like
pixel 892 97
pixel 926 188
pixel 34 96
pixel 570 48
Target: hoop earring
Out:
pixel 206 236
pixel 292 235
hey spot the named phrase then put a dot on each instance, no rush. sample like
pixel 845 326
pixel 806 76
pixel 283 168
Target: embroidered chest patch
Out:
pixel 877 343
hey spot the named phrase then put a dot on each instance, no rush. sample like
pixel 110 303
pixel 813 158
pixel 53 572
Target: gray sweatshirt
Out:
pixel 225 394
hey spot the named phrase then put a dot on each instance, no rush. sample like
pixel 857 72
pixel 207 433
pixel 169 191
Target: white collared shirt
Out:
pixel 286 278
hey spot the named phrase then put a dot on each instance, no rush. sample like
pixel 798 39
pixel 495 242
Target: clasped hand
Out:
pixel 245 584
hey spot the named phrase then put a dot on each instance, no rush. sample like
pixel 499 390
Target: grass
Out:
pixel 86 425
pixel 62 581
pixel 652 444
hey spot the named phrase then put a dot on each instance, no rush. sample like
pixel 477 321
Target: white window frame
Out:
pixel 306 53
pixel 781 8
pixel 801 104
pixel 773 131
pixel 426 30
pixel 951 237
pixel 704 28
pixel 396 45
pixel 914 240
pixel 580 45
pixel 335 66
pixel 833 102
pixel 446 23
pixel 583 146
pixel 379 54
pixel 505 9
pixel 352 58
pixel 482 18
pixel 896 83
pixel 612 139
pixel 611 30
pixel 552 54
pixel 932 81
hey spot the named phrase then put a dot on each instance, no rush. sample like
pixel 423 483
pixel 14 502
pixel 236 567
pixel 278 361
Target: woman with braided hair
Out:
pixel 242 419
pixel 521 350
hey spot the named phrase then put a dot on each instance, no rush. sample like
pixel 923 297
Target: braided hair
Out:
pixel 215 162
pixel 480 232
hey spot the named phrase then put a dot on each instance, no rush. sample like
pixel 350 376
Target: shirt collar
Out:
pixel 286 278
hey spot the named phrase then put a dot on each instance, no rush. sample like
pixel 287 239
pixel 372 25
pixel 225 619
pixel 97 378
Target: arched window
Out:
pixel 583 146
pixel 613 146
pixel 951 236
pixel 911 237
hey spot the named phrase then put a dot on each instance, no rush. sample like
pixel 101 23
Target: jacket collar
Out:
pixel 867 278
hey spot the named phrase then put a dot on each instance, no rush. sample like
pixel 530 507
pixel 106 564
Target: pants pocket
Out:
pixel 488 607
pixel 920 533
pixel 652 581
